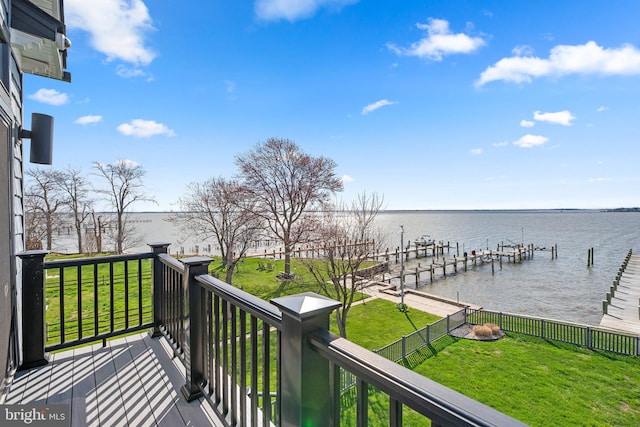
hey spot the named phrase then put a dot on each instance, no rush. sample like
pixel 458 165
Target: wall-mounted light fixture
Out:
pixel 41 135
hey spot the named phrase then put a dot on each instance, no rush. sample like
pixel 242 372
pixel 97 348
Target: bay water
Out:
pixel 564 288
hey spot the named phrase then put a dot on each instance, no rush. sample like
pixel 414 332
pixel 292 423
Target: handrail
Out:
pixel 170 261
pixel 74 262
pixel 431 399
pixel 245 301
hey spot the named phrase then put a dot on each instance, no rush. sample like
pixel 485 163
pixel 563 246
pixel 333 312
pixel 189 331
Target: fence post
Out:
pixel 306 396
pixel 428 334
pixel 156 287
pixel 404 347
pixel 32 311
pixel 193 326
pixel 587 338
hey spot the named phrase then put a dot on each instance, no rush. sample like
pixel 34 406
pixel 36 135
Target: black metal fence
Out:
pixel 571 333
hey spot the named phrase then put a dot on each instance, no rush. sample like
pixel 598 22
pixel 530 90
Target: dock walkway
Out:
pixel 623 309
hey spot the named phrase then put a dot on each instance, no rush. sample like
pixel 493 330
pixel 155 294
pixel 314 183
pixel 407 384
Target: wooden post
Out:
pixel 455 264
pixel 492 267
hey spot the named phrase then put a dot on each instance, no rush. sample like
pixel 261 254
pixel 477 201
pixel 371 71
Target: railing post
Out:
pixel 32 310
pixel 305 382
pixel 156 286
pixel 193 326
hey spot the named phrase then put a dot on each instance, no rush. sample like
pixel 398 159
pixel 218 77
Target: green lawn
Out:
pixel 376 323
pixel 538 382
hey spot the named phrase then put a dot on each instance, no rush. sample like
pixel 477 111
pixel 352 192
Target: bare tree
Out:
pixel 287 184
pixel 349 237
pixel 124 188
pixel 43 198
pixel 75 188
pixel 220 209
pixel 96 228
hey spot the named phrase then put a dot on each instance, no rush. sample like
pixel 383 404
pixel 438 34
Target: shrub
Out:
pixel 495 329
pixel 482 331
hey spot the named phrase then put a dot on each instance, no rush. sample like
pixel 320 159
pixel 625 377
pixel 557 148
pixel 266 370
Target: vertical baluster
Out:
pixel 362 403
pixel 79 302
pixel 266 375
pixel 61 311
pixel 234 361
pixel 111 298
pixel 210 342
pixel 225 357
pixel 126 294
pixel 243 367
pixel 140 292
pixel 217 344
pixel 96 327
pixel 254 370
pixel 395 413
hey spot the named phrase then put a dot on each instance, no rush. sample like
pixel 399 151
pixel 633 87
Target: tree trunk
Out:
pixel 79 235
pixel 49 232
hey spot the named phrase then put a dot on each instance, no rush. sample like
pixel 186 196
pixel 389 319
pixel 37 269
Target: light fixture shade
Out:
pixel 41 139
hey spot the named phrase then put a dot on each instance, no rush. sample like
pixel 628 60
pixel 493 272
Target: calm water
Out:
pixel 563 288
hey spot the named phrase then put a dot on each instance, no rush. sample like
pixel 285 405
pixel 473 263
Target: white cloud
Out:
pixel 476 151
pixel 500 144
pixel 527 123
pixel 372 107
pixel 50 96
pixel 563 118
pixel 439 41
pixel 588 58
pixel 128 73
pixel 529 141
pixel 116 28
pixel 522 50
pixel 347 178
pixel 85 120
pixel 602 108
pixel 292 10
pixel 144 129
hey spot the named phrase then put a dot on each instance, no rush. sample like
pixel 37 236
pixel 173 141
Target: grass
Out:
pixel 536 381
pixel 539 382
pixel 126 297
pixel 376 323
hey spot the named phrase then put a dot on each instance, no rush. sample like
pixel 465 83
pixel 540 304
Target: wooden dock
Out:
pixel 441 266
pixel 621 307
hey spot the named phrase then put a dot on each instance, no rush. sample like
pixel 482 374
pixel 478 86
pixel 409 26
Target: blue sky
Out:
pixel 434 105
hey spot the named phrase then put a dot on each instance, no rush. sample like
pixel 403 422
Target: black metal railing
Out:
pixel 571 333
pixel 90 299
pixel 257 363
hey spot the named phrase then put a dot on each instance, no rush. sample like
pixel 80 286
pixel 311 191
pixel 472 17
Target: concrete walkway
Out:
pixel 415 299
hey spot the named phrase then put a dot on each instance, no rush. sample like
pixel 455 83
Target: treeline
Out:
pixel 67 198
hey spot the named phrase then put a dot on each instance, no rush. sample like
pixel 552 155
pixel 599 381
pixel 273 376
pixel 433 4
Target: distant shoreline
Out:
pixel 395 211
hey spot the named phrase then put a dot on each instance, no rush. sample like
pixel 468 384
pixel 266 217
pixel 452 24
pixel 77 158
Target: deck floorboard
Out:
pixel 133 381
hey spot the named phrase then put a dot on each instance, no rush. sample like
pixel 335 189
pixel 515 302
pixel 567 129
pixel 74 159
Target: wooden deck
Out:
pixel 623 312
pixel 133 381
